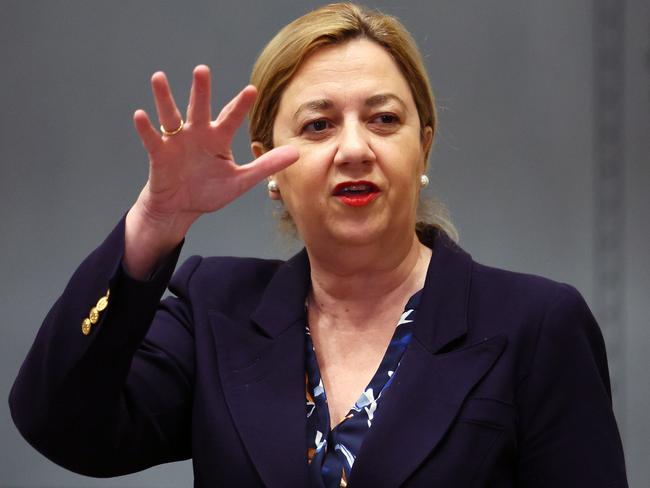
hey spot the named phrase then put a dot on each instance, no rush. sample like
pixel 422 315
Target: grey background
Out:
pixel 542 156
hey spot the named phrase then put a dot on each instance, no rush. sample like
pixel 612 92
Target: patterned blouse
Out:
pixel 331 453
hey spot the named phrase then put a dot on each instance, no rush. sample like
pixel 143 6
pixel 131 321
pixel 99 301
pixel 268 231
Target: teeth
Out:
pixel 356 188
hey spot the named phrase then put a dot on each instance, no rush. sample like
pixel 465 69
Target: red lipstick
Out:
pixel 356 193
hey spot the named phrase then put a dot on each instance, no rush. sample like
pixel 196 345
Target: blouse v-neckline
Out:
pixel 331 452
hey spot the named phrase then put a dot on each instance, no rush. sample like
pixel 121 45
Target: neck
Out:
pixel 353 282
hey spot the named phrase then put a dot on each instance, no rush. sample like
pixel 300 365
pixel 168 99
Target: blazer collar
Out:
pixel 443 308
pixel 283 301
pixel 444 301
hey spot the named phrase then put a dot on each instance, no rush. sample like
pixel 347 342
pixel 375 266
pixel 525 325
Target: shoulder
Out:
pixel 508 278
pixel 520 293
pixel 526 307
pixel 219 281
pixel 216 271
pixel 495 289
pixel 235 270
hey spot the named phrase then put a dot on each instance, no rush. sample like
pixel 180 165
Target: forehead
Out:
pixel 356 69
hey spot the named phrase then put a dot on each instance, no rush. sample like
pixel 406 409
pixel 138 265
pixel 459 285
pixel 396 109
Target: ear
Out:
pixel 427 142
pixel 257 148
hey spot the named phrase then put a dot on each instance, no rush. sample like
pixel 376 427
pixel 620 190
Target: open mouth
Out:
pixel 356 193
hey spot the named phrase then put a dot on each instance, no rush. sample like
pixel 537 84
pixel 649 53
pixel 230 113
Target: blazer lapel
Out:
pixel 262 369
pixel 433 379
pixel 423 401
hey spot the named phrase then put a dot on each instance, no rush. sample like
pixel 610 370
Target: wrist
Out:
pixel 159 230
pixel 148 241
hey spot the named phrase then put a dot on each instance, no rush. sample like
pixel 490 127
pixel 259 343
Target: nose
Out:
pixel 354 145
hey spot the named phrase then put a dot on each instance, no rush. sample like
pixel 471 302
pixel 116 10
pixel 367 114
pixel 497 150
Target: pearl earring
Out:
pixel 424 181
pixel 272 186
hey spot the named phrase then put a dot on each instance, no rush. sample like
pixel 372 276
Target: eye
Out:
pixel 386 119
pixel 316 126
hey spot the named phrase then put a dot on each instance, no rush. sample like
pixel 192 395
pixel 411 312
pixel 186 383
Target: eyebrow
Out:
pixel 320 104
pixel 323 104
pixel 384 98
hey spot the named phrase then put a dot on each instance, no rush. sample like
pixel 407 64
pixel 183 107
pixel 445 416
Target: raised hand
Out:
pixel 192 170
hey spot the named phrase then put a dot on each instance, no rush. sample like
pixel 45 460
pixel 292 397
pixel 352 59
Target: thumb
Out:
pixel 267 164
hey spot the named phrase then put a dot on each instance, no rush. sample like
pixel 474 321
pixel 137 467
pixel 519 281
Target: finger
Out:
pixel 198 110
pixel 234 113
pixel 269 163
pixel 148 135
pixel 168 114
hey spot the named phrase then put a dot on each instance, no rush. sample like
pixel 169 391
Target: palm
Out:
pixel 193 171
pixel 192 174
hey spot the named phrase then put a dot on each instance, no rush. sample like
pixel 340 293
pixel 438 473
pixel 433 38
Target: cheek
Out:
pixel 301 183
pixel 403 167
pixel 310 171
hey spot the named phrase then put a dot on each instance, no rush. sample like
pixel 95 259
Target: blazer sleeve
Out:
pixel 567 430
pixel 118 399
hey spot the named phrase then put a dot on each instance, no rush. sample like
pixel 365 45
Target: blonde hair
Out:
pixel 334 24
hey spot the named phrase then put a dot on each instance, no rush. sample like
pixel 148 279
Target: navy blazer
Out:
pixel 505 381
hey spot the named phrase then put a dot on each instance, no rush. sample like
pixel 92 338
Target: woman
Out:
pixel 416 365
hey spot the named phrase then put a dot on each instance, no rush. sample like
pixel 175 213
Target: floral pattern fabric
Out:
pixel 331 453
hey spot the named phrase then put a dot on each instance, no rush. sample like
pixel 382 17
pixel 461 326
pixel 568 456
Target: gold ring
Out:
pixel 172 132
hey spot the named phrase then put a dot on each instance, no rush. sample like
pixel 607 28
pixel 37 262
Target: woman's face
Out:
pixel 350 113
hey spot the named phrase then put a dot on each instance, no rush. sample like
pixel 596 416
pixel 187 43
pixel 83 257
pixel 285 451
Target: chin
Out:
pixel 357 234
